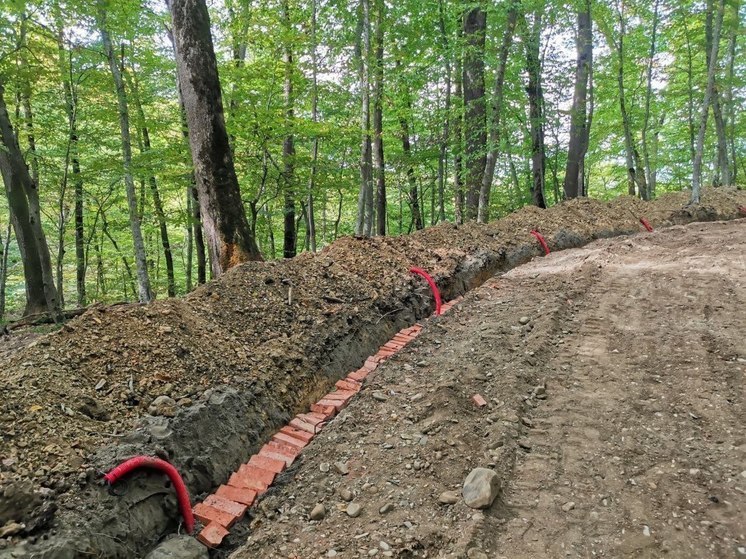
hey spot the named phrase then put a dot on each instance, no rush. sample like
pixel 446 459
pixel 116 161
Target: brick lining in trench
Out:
pixel 221 510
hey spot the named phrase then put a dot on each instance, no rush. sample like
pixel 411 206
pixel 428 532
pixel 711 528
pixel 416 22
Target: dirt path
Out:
pixel 614 376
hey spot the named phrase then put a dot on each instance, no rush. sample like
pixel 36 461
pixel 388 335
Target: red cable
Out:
pixel 742 210
pixel 182 495
pixel 540 238
pixel 646 224
pixel 434 287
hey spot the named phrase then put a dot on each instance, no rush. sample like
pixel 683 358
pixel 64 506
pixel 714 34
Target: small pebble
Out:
pixel 318 512
pixel 353 510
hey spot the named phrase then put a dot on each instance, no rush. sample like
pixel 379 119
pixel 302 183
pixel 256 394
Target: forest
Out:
pixel 148 146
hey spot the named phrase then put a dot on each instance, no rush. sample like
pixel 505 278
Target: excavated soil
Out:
pixel 614 376
pixel 204 380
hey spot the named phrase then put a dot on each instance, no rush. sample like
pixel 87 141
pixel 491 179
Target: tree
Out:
pixel 579 126
pixel 41 293
pixel 288 146
pixel 536 109
pixel 145 294
pixel 380 168
pixel 365 197
pixel 649 171
pixel 475 25
pixel 712 68
pixel 221 207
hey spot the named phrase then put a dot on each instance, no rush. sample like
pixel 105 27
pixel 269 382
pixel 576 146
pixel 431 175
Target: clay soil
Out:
pixel 614 376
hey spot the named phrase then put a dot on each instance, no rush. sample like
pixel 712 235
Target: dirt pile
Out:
pixel 202 380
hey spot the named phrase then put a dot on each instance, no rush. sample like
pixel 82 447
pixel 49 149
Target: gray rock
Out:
pixel 353 510
pixel 481 487
pixel 475 553
pixel 341 468
pixel 388 507
pixel 448 498
pixel 345 494
pixel 567 507
pixel 163 405
pixel 524 320
pixel 318 512
pixel 179 547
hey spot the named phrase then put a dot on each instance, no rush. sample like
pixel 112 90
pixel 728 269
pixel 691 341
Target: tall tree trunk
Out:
pixel 414 198
pixel 735 31
pixel 443 154
pixel 4 248
pixel 378 121
pixel 536 111
pixel 199 239
pixel 41 294
pixel 712 67
pixel 722 169
pixel 578 117
pixel 648 97
pixel 496 121
pixel 458 136
pixel 157 203
pixel 365 198
pixel 221 207
pixel 310 212
pixel 475 27
pixel 690 85
pixel 143 280
pixel 288 146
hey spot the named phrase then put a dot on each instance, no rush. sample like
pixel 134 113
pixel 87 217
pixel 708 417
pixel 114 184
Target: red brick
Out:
pixel 348 385
pixel 288 440
pixel 276 454
pixel 358 376
pixel 257 473
pixel 402 338
pixel 373 360
pixel 392 345
pixel 369 366
pixel 297 433
pixel 237 494
pixel 313 416
pixel 206 514
pixel 479 401
pixel 301 425
pixel 226 505
pixel 243 482
pixel 271 464
pixel 212 535
pixel 336 404
pixel 327 411
pixel 344 395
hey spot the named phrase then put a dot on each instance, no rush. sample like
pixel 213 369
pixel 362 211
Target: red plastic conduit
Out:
pixel 540 238
pixel 742 210
pixel 646 224
pixel 434 287
pixel 182 495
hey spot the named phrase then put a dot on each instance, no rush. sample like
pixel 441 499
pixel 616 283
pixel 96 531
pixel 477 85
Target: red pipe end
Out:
pixel 182 495
pixel 742 210
pixel 542 241
pixel 433 287
pixel 646 224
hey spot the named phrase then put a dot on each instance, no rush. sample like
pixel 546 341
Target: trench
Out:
pixel 210 439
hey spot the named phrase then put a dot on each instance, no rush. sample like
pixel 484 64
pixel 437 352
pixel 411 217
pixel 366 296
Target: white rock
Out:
pixel 481 487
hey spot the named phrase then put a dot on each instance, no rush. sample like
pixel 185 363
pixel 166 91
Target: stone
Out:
pixel 11 529
pixel 524 320
pixel 353 510
pixel 448 498
pixel 318 512
pixel 163 405
pixel 567 507
pixel 475 553
pixel 380 396
pixel 341 468
pixel 179 547
pixel 481 487
pixel 646 531
pixel 345 494
pixel 388 507
pixel 324 467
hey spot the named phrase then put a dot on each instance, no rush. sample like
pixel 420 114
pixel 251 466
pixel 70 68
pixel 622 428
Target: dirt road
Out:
pixel 615 418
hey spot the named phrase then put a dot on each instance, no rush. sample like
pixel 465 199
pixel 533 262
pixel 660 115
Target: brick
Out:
pixel 297 433
pixel 336 404
pixel 369 366
pixel 313 416
pixel 287 439
pixel 348 385
pixel 226 505
pixel 237 494
pixel 479 401
pixel 212 535
pixel 243 482
pixel 327 411
pixel 257 473
pixel 392 345
pixel 301 425
pixel 373 360
pixel 207 514
pixel 403 339
pixel 358 375
pixel 344 395
pixel 277 455
pixel 285 449
pixel 267 463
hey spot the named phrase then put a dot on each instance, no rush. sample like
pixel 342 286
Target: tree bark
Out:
pixel 414 199
pixel 536 111
pixel 288 146
pixel 578 115
pixel 722 169
pixel 378 121
pixel 365 198
pixel 4 248
pixel 475 26
pixel 221 207
pixel 497 107
pixel 648 97
pixel 443 155
pixel 458 137
pixel 41 294
pixel 143 280
pixel 310 211
pixel 712 67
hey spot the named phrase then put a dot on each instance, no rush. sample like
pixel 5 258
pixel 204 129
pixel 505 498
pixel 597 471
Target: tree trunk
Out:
pixel 4 248
pixel 648 97
pixel 443 155
pixel 221 207
pixel 41 294
pixel 143 280
pixel 288 146
pixel 690 86
pixel 458 138
pixel 414 199
pixel 314 118
pixel 496 122
pixel 157 203
pixel 722 169
pixel 729 97
pixel 475 26
pixel 578 117
pixel 536 111
pixel 378 122
pixel 365 198
pixel 712 67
